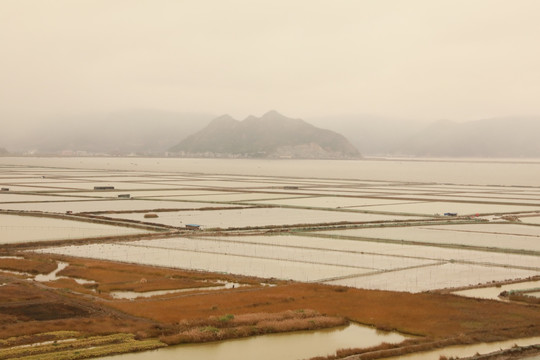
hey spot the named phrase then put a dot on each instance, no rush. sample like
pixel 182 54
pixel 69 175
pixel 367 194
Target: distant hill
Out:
pixel 502 137
pixel 143 132
pixel 155 132
pixel 371 135
pixel 510 137
pixel 272 135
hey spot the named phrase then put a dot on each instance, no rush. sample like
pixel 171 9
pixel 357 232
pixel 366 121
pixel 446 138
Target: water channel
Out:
pixel 462 351
pixel 291 346
pixel 494 291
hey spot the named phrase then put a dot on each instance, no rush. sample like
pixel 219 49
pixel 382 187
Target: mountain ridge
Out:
pixel 496 137
pixel 490 138
pixel 147 132
pixel 139 131
pixel 271 135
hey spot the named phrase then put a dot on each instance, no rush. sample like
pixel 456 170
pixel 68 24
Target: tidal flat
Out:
pixel 322 245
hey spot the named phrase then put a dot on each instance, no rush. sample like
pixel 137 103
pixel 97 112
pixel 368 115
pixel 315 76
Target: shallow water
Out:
pixel 15 198
pixel 16 229
pixel 531 220
pixel 358 262
pixel 493 292
pixel 290 346
pixel 363 264
pixel 260 265
pixel 52 275
pixel 131 295
pixel 468 350
pixel 460 171
pixel 17 273
pixel 516 237
pixel 447 275
pixel 105 205
pixel 255 217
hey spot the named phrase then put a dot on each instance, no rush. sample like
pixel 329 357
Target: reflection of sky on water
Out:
pixel 291 346
pixel 17 229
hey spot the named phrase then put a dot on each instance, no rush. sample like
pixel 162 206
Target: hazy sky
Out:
pixel 428 59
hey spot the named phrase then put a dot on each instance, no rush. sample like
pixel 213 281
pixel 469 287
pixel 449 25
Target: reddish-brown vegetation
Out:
pixel 32 265
pixel 29 307
pixel 425 314
pixel 111 276
pixel 521 297
pixel 230 326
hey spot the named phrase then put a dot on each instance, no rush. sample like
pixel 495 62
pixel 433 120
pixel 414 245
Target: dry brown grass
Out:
pixel 20 291
pixel 216 328
pixel 67 284
pixel 426 314
pixel 521 297
pixel 112 276
pixel 28 308
pixel 255 318
pixel 127 280
pixel 32 265
pixel 92 324
pixel 32 339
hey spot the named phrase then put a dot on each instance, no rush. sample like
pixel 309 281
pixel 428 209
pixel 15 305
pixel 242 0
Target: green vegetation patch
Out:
pixel 82 348
pixel 38 338
pixel 226 318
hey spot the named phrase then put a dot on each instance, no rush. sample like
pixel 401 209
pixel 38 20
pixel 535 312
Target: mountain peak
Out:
pixel 223 120
pixel 272 114
pixel 272 135
pixel 225 117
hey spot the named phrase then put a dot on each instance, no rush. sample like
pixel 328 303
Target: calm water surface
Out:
pixel 461 171
pixel 292 346
pixel 308 344
pixel 493 292
pixel 459 351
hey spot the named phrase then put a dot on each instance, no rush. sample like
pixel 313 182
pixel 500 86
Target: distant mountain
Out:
pixel 498 137
pixel 372 135
pixel 272 135
pixel 143 132
pixel 154 132
pixel 502 137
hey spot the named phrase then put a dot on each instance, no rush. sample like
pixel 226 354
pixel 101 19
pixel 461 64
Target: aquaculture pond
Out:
pixel 461 351
pixel 502 236
pixel 341 262
pixel 494 291
pixel 388 231
pixel 17 229
pixel 249 217
pixel 289 346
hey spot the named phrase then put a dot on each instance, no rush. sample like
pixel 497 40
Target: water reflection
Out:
pixel 493 292
pixel 134 294
pixel 18 228
pixel 52 275
pixel 461 351
pixel 291 346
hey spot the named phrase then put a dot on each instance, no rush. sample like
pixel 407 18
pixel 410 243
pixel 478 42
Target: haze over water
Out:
pixel 469 171
pixel 74 62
